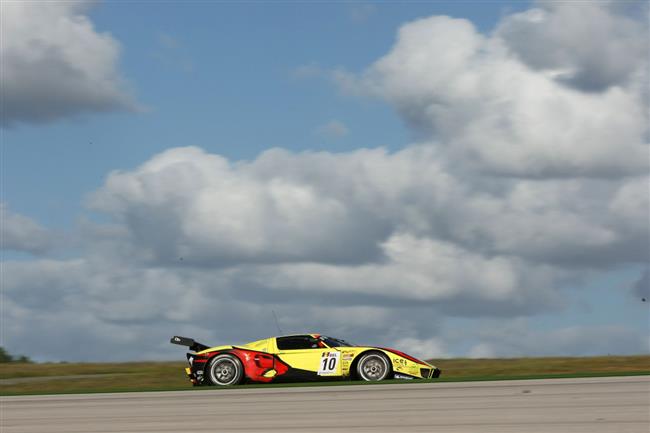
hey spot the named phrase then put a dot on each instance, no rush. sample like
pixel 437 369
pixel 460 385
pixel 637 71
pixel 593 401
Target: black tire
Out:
pixel 373 367
pixel 224 370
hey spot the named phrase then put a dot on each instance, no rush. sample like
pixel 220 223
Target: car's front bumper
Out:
pixel 425 373
pixel 430 373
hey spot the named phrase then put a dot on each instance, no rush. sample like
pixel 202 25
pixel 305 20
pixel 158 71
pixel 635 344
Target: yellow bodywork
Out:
pixel 318 360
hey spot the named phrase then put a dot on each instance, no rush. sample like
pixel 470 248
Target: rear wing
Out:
pixel 184 341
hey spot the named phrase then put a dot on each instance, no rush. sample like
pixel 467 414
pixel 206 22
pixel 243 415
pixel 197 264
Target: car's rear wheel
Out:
pixel 373 367
pixel 225 369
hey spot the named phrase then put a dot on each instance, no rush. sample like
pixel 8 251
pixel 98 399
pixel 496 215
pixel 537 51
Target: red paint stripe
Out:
pixel 404 355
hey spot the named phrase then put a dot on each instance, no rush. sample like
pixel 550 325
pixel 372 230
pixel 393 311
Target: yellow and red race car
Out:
pixel 295 358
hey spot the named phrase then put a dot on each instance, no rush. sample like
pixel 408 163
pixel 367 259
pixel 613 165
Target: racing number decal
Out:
pixel 329 363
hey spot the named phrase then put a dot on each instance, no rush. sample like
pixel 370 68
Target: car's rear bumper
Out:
pixel 195 370
pixel 190 375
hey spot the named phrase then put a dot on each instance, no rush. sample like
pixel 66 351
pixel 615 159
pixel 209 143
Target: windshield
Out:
pixel 335 342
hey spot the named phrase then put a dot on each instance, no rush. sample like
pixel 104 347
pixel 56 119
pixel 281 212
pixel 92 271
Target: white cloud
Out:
pixel 631 204
pixel 570 221
pixel 491 113
pixel 341 208
pixel 517 340
pixel 592 45
pixel 520 187
pixel 429 348
pixel 483 350
pixel 217 213
pixel 98 309
pixel 419 271
pixel 102 310
pixel 20 233
pixel 55 64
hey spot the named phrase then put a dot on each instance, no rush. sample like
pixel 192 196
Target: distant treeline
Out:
pixel 7 357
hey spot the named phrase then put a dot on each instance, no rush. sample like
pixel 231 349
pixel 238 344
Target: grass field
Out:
pixel 19 378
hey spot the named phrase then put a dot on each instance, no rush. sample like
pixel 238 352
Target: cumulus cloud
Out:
pixel 417 272
pixel 492 113
pixel 98 309
pixel 95 309
pixel 571 222
pixel 179 251
pixel 21 233
pixel 429 348
pixel 605 49
pixel 518 339
pixel 55 64
pixel 343 208
pixel 217 213
pixel 522 185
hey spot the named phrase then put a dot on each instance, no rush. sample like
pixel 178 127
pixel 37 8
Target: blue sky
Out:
pixel 468 224
pixel 203 73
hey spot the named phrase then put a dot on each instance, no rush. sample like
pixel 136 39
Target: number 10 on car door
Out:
pixel 329 363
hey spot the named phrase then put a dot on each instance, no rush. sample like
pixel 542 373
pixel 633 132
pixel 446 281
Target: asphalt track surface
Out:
pixel 595 405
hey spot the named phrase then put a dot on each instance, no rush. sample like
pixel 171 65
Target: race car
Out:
pixel 296 358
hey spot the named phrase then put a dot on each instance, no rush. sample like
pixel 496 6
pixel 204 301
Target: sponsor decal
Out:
pixel 329 363
pixel 402 376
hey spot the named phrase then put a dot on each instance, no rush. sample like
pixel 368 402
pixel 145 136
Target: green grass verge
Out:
pixel 26 379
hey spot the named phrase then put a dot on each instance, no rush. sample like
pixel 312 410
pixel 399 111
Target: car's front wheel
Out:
pixel 373 367
pixel 225 369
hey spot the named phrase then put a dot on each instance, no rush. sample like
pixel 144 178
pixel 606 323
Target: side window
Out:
pixel 297 342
